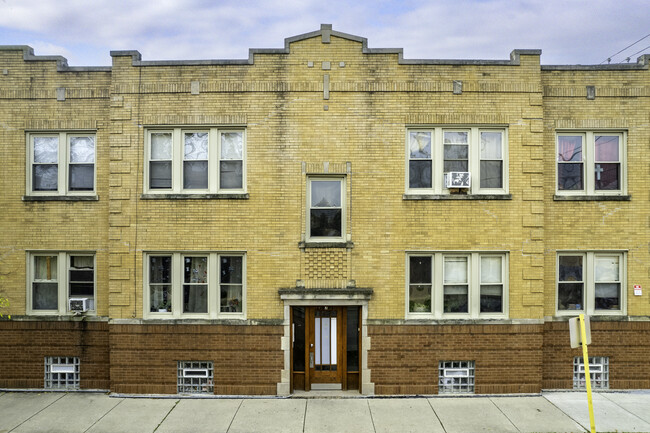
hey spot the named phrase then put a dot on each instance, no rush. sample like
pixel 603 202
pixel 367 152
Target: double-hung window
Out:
pixel 591 282
pixel 326 208
pixel 457 285
pixel 57 277
pixel 195 285
pixel 591 163
pixel 195 160
pixel 61 163
pixel 434 152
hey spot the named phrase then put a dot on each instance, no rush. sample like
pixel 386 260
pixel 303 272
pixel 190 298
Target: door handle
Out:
pixel 311 359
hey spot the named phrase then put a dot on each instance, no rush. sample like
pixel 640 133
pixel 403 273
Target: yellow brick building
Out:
pixel 322 216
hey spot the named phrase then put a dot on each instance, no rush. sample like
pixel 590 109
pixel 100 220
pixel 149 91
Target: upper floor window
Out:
pixel 56 278
pixel 457 285
pixel 61 163
pixel 195 285
pixel 590 163
pixel 201 160
pixel 591 282
pixel 434 152
pixel 326 205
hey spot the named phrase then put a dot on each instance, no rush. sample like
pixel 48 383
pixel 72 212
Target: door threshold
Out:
pixel 326 386
pixel 327 393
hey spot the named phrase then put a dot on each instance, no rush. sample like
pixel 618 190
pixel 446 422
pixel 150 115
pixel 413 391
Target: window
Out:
pixel 202 160
pixel 590 163
pixel 61 163
pixel 201 285
pixel 455 377
pixel 326 216
pixel 61 372
pixel 591 282
pixel 457 285
pixel 432 152
pixel 57 277
pixel 598 371
pixel 195 377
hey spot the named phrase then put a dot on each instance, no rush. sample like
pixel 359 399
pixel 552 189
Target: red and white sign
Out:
pixel 637 290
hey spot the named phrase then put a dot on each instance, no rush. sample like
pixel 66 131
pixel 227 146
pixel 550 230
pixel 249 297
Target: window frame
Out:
pixel 63 163
pixel 474 159
pixel 589 163
pixel 343 188
pixel 177 283
pixel 178 159
pixel 589 288
pixel 63 282
pixel 474 285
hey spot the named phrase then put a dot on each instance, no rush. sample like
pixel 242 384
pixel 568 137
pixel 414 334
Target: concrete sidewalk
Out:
pixel 550 412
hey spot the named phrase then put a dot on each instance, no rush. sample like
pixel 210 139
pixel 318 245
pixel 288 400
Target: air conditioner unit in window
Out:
pixel 78 305
pixel 457 179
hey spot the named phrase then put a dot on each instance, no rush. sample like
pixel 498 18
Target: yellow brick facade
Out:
pixel 294 130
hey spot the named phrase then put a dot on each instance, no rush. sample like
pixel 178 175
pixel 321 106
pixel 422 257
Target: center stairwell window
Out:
pixel 325 200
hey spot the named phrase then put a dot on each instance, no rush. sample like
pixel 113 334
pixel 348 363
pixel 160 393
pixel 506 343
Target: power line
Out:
pixel 609 59
pixel 640 51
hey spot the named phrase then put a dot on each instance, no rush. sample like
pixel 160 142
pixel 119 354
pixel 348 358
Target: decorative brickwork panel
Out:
pixel 326 264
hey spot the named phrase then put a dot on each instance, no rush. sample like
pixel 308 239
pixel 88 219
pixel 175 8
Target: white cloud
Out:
pixel 573 31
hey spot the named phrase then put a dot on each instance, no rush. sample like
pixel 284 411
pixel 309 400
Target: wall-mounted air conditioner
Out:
pixel 78 305
pixel 457 179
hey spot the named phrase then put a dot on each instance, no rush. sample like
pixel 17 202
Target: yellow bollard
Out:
pixel 585 355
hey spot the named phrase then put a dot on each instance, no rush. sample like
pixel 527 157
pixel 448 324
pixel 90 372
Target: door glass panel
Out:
pixel 333 342
pixel 298 338
pixel 317 333
pixel 353 339
pixel 325 338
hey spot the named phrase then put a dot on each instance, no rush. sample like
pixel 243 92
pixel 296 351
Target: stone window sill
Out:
pixel 194 196
pixel 558 197
pixel 342 244
pixel 457 197
pixel 60 198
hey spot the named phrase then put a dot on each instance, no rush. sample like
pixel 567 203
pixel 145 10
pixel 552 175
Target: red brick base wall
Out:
pixel 627 344
pixel 24 346
pixel 247 358
pixel 404 358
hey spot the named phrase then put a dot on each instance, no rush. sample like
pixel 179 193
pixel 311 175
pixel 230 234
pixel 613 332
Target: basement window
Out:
pixel 61 372
pixel 456 377
pixel 598 370
pixel 195 377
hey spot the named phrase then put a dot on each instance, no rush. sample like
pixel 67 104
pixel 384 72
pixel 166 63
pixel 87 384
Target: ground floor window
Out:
pixel 598 370
pixel 61 372
pixel 455 377
pixel 195 377
pixel 195 284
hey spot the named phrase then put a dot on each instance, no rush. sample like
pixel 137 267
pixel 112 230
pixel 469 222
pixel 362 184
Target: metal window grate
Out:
pixel 61 372
pixel 455 377
pixel 195 377
pixel 598 370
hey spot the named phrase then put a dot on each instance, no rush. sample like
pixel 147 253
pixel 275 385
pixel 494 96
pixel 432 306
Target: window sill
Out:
pixel 188 321
pixel 306 245
pixel 450 321
pixel 611 317
pixel 221 196
pixel 558 197
pixel 33 317
pixel 457 197
pixel 60 198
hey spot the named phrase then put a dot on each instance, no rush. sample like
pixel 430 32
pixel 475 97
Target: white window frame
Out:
pixel 63 267
pixel 474 159
pixel 474 285
pixel 63 163
pixel 343 236
pixel 177 275
pixel 178 157
pixel 589 288
pixel 589 164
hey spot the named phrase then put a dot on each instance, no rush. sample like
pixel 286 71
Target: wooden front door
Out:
pixel 325 347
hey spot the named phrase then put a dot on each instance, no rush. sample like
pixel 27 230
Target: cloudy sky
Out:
pixel 567 31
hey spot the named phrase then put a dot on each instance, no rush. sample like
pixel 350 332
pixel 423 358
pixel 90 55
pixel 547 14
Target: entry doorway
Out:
pixel 325 350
